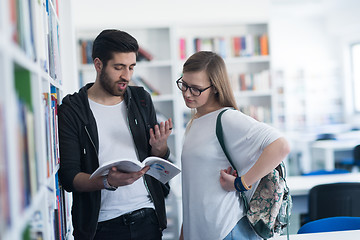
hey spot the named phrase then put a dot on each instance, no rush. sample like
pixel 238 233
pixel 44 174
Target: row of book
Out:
pixel 238 46
pixel 62 212
pixel 25 15
pixel 58 214
pixel 251 81
pixel 28 160
pixel 50 103
pixel 260 113
pixel 28 165
pixel 21 18
pixel 86 47
pixel 53 45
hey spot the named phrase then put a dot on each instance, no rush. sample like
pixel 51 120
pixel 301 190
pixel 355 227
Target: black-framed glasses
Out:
pixel 193 90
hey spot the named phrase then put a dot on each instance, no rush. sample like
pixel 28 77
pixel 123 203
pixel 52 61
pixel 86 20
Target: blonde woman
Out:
pixel 211 207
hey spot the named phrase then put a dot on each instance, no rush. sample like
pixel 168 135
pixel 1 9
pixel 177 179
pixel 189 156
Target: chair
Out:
pixel 331 224
pixel 335 199
pixel 356 157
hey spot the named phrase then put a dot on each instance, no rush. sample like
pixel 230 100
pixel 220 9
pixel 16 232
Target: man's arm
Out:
pixel 83 183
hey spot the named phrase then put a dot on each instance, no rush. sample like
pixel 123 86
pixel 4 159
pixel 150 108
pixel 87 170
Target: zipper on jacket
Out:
pixel 92 142
pixel 97 155
pixel 143 177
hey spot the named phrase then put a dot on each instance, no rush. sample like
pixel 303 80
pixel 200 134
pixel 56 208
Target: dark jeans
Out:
pixel 141 224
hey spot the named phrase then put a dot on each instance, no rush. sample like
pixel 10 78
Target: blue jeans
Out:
pixel 144 227
pixel 241 231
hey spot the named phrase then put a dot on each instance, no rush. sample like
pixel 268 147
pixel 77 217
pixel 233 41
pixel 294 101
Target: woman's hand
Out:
pixel 158 137
pixel 227 178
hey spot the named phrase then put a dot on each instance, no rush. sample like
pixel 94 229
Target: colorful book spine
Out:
pixel 182 48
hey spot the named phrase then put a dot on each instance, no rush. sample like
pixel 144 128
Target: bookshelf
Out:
pixel 32 203
pixel 245 49
pixel 169 46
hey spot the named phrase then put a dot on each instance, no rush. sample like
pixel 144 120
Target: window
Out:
pixel 355 67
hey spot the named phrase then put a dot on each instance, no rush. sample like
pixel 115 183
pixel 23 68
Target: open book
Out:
pixel 161 169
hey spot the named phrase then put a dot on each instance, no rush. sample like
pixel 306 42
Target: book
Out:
pixel 161 169
pixel 144 55
pixel 182 48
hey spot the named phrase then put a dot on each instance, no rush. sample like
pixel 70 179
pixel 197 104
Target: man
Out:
pixel 109 120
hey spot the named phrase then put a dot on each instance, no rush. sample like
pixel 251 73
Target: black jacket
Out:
pixel 79 145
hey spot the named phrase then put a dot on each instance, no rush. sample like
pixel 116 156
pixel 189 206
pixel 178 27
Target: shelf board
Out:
pixel 250 59
pixel 153 63
pixel 253 93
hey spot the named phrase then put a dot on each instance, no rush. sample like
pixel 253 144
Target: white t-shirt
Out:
pixel 210 212
pixel 115 142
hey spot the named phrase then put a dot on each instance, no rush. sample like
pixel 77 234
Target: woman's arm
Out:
pixel 272 156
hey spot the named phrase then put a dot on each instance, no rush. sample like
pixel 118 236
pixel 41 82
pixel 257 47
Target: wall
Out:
pixel 90 13
pixel 312 37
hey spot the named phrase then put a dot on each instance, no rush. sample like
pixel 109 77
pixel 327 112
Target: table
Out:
pixel 332 146
pixel 339 235
pixel 305 144
pixel 300 186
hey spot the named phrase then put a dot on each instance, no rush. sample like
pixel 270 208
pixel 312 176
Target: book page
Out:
pixel 161 169
pixel 124 165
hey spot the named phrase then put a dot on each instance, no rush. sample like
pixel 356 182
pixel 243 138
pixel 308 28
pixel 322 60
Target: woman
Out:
pixel 211 207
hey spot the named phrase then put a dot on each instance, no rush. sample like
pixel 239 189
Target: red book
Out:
pixel 236 46
pixel 182 48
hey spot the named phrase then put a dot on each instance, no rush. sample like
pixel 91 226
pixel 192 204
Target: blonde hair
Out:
pixel 215 68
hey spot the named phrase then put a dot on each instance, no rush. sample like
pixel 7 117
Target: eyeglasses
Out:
pixel 193 90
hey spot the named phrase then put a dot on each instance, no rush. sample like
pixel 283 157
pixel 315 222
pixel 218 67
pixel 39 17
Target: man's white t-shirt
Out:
pixel 116 142
pixel 210 212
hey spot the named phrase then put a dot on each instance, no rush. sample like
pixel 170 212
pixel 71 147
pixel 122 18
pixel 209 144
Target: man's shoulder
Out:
pixel 139 93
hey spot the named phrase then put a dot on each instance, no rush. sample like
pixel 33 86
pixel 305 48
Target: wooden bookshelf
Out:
pixel 32 202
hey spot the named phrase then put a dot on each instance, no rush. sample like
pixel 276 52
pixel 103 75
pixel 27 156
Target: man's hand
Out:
pixel 159 136
pixel 117 178
pixel 83 183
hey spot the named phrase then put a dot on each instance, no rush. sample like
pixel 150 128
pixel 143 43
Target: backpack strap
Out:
pixel 220 137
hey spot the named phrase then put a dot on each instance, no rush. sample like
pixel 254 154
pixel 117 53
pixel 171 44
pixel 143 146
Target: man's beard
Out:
pixel 109 86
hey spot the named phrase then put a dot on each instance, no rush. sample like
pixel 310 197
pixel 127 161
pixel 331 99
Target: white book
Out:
pixel 161 169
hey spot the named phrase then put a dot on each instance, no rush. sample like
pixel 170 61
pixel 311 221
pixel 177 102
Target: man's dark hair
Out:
pixel 113 41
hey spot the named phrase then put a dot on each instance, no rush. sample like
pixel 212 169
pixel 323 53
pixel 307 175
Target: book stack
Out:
pixel 260 113
pixel 86 51
pixel 28 171
pixel 250 45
